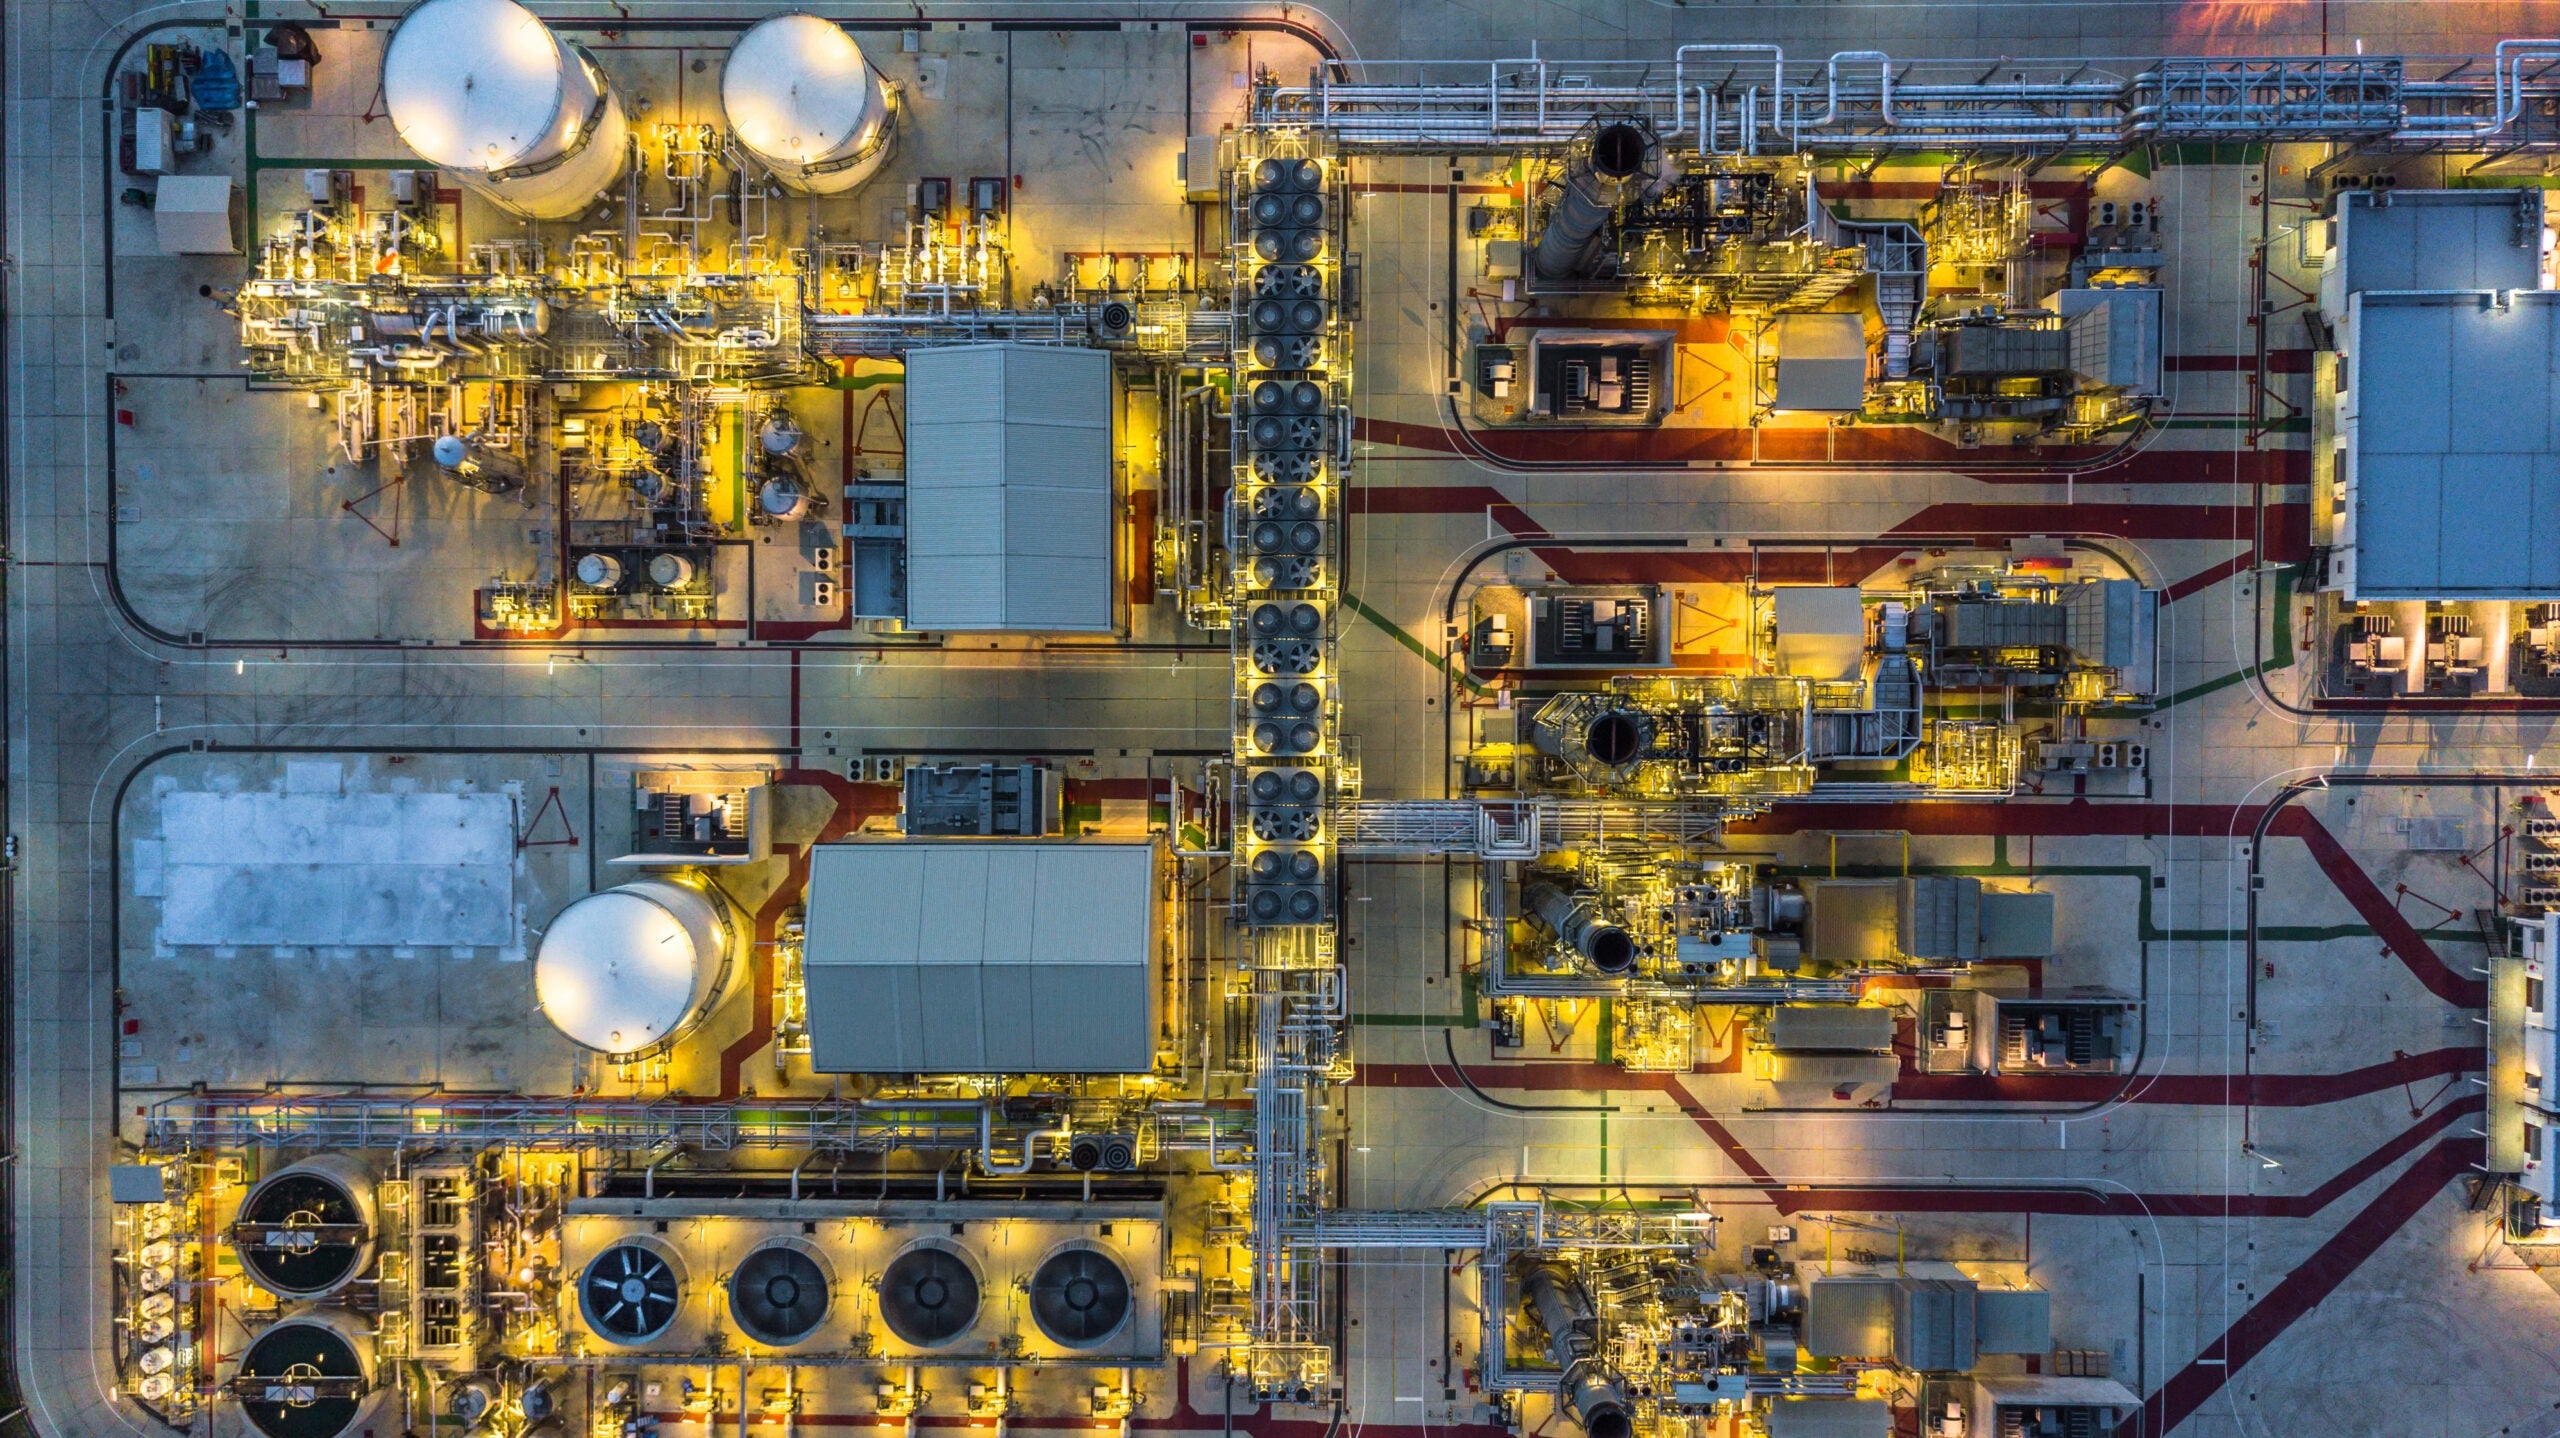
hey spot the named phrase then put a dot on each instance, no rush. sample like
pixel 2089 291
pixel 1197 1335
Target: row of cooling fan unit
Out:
pixel 783 1292
pixel 1282 534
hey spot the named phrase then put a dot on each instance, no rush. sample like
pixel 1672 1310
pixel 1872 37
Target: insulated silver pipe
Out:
pixel 1839 105
pixel 1579 925
pixel 1588 1390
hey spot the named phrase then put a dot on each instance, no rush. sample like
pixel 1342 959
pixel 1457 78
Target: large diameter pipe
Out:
pixel 1571 240
pixel 1579 925
pixel 1558 1303
pixel 1588 1390
pixel 1574 730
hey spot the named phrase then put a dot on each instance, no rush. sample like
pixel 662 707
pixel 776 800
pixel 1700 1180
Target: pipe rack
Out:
pixel 1747 100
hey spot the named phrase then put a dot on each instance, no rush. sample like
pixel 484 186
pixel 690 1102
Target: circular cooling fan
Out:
pixel 1291 571
pixel 778 1295
pixel 1286 656
pixel 1079 1297
pixel 1276 503
pixel 929 1296
pixel 630 1293
pixel 1285 826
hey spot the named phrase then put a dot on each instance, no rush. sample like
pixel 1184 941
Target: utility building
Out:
pixel 1009 489
pixel 2437 306
pixel 1020 956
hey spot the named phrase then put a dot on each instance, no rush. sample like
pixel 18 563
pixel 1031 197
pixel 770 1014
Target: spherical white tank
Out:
pixel 627 969
pixel 801 98
pixel 484 91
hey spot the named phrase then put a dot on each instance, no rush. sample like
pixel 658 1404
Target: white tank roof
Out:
pixel 796 88
pixel 623 970
pixel 473 84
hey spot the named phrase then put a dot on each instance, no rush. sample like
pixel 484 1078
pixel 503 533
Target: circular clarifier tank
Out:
pixel 485 91
pixel 309 1376
pixel 628 969
pixel 801 98
pixel 306 1231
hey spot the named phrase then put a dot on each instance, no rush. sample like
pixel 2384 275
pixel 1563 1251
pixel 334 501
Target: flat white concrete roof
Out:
pixel 330 870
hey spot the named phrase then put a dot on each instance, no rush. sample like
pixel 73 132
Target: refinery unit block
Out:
pixel 1151 719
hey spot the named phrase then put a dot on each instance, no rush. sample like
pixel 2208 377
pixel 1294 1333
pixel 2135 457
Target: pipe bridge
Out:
pixel 1749 99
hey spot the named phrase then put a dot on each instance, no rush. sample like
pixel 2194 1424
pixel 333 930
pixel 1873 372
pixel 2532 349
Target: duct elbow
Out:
pixel 1575 920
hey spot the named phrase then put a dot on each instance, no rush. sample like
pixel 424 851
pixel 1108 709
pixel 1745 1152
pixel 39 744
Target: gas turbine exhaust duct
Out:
pixel 1601 737
pixel 1588 1390
pixel 1579 925
pixel 1570 243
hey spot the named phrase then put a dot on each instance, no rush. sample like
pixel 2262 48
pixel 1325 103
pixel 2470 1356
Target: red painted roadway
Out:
pixel 2080 818
pixel 854 803
pixel 1798 1198
pixel 2258 1090
pixel 2298 1293
pixel 2302 1290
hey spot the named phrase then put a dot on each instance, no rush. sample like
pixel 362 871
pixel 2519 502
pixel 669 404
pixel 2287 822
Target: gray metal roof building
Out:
pixel 2445 437
pixel 1927 1315
pixel 1009 488
pixel 1943 916
pixel 1830 1028
pixel 2432 240
pixel 1012 956
pixel 1830 1418
pixel 1822 363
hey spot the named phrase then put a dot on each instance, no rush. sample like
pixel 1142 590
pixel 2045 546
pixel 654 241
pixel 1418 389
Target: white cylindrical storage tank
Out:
pixel 801 99
pixel 630 968
pixel 485 92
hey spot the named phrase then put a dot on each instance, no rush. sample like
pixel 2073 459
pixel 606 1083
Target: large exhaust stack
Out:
pixel 1570 243
pixel 1601 736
